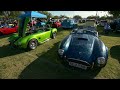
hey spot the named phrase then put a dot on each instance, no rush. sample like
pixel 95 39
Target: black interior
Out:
pixel 42 28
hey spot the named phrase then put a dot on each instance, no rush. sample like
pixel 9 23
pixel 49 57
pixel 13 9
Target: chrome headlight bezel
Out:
pixel 61 51
pixel 101 60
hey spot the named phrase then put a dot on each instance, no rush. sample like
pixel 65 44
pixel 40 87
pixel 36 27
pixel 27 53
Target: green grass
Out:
pixel 88 23
pixel 43 62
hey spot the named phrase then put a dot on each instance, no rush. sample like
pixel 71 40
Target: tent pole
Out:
pixel 31 22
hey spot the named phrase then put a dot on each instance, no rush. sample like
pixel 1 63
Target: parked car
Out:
pixel 56 24
pixel 69 23
pixel 102 23
pixel 91 22
pixel 8 29
pixel 115 25
pixel 83 49
pixel 30 38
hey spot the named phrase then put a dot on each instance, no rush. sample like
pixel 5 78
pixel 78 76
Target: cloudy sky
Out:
pixel 83 14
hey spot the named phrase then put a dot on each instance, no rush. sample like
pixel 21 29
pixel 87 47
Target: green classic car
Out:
pixel 30 39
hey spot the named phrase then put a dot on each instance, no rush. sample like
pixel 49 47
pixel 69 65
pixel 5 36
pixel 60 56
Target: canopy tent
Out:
pixel 33 14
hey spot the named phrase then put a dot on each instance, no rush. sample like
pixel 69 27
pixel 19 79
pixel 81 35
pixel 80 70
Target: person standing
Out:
pixel 107 28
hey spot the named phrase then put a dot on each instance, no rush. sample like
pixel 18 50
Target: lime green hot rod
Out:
pixel 29 39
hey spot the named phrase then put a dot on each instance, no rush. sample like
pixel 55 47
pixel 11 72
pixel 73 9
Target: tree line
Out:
pixel 15 14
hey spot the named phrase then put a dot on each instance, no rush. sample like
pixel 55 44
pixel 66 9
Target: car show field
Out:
pixel 44 63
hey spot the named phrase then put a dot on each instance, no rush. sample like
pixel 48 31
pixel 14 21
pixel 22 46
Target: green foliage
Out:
pixel 115 14
pixel 63 16
pixel 56 17
pixel 92 17
pixel 77 17
pixel 106 17
pixel 10 14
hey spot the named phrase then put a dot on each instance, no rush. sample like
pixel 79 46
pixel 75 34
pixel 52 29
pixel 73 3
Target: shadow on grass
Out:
pixel 48 66
pixel 115 52
pixel 6 50
pixel 61 29
pixel 4 36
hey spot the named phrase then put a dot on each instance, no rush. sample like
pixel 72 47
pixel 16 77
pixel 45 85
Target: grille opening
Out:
pixel 80 62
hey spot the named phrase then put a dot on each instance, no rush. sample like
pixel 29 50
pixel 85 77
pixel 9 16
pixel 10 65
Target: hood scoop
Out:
pixel 81 38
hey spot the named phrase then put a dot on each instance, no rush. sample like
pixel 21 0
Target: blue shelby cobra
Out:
pixel 83 49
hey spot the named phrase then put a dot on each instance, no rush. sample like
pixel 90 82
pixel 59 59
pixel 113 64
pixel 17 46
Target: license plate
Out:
pixel 78 65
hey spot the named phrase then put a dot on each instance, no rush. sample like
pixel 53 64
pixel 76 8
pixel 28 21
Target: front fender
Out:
pixel 30 39
pixel 100 50
pixel 23 42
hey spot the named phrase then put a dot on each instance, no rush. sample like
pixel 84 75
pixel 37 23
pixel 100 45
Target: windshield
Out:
pixel 10 26
pixel 85 31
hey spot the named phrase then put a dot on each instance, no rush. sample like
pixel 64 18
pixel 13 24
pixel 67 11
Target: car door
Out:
pixel 41 36
pixel 47 33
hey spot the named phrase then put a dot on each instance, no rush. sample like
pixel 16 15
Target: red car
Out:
pixel 8 30
pixel 56 24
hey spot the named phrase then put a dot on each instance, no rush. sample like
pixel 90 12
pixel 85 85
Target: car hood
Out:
pixel 81 47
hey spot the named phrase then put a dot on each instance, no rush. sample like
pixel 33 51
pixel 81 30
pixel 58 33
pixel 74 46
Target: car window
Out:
pixel 86 31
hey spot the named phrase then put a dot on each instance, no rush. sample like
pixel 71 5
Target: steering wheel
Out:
pixel 48 26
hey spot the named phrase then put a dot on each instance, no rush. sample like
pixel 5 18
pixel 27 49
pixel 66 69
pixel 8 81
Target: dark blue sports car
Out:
pixel 83 49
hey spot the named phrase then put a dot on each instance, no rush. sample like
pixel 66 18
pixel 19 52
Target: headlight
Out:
pixel 101 60
pixel 61 51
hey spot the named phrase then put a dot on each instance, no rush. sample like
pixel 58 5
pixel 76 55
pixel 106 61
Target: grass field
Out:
pixel 43 62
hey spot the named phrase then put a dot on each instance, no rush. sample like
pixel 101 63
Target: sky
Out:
pixel 83 14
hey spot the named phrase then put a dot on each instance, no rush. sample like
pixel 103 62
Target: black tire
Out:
pixel 54 35
pixel 32 44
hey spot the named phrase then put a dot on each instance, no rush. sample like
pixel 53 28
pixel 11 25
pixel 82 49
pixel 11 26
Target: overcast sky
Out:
pixel 83 14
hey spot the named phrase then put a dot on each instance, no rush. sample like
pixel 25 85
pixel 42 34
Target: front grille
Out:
pixel 79 61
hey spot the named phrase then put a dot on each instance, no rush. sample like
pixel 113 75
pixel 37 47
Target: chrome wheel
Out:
pixel 32 44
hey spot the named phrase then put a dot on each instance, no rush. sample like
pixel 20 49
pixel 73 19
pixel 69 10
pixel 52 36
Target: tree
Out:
pixel 93 17
pixel 103 17
pixel 8 14
pixel 63 16
pixel 106 17
pixel 115 14
pixel 77 17
pixel 56 17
